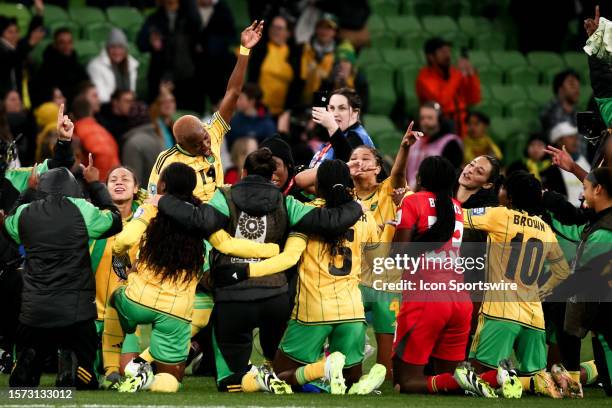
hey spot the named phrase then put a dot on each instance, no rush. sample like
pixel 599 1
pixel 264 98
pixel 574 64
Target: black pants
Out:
pixel 233 325
pixel 78 343
pixel 11 283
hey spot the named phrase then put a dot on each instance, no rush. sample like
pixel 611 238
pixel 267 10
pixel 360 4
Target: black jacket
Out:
pixel 58 70
pixel 58 283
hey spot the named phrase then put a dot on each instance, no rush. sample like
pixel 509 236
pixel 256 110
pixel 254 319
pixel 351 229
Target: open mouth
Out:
pixel 119 190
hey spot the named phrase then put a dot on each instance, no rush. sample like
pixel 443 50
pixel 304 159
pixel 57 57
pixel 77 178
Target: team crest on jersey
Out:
pixel 478 211
pixel 139 211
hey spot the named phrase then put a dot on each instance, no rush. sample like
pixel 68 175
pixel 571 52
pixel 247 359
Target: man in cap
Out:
pixel 454 88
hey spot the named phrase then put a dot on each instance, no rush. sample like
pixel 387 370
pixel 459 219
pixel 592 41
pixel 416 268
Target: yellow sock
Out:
pixel 575 375
pixel 310 372
pixel 112 340
pixel 146 355
pixel 164 382
pixel 249 383
pixel 526 383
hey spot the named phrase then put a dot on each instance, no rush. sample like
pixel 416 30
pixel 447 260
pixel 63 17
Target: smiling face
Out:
pixel 476 174
pixel 366 159
pixel 121 185
pixel 281 174
pixel 344 115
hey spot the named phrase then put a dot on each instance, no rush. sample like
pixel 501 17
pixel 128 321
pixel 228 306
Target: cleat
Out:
pixel 568 387
pixel 544 384
pixel 138 376
pixel 112 381
pixel 269 382
pixel 472 383
pixel 370 382
pixel 334 364
pixel 510 385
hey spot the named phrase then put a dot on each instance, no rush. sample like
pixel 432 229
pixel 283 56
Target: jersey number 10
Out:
pixel 533 246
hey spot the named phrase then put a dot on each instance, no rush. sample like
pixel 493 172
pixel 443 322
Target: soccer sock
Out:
pixel 112 341
pixel 310 372
pixel 490 377
pixel 165 382
pixel 527 383
pixel 442 383
pixel 590 370
pixel 249 383
pixel 146 355
pixel 575 375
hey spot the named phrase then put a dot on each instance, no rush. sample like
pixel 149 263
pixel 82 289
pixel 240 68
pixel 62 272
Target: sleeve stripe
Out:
pixel 556 260
pixel 217 116
pixel 299 235
pixel 162 158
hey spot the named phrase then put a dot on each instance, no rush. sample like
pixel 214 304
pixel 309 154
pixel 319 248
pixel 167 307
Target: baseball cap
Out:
pixel 329 19
pixel 562 129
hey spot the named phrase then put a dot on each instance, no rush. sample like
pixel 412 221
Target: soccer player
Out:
pixel 519 243
pixel 377 197
pixel 58 299
pixel 161 290
pixel 433 327
pixel 123 188
pixel 328 302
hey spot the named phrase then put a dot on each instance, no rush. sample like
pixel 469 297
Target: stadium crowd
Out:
pixel 125 205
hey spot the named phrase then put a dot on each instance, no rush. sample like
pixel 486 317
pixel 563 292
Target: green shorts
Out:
pixel 170 336
pixel 383 308
pixel 304 343
pixel 496 339
pixel 131 343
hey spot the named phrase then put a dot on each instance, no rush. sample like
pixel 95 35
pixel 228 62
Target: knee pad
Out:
pixel 165 382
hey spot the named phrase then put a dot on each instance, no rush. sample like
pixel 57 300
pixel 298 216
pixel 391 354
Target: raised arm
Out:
pixel 62 154
pixel 248 39
pixel 398 171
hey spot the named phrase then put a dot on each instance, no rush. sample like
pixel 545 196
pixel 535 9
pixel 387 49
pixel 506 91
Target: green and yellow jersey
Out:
pixel 517 246
pixel 328 287
pixel 19 177
pixel 209 170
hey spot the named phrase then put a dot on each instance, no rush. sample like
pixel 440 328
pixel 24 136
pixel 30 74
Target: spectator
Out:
pixel 7 137
pixel 478 142
pixel 14 50
pixel 217 34
pixel 94 138
pixel 170 34
pixel 240 150
pixel 60 68
pixel 352 18
pixel 276 68
pixel 251 118
pixel 46 120
pixel 454 88
pixel 88 90
pixel 346 75
pixel 563 108
pixel 437 141
pixel 22 125
pixel 535 159
pixel 143 144
pixel 115 116
pixel 564 136
pixel 114 69
pixel 317 61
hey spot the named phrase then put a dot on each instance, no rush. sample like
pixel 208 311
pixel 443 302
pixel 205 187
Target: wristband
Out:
pixel 244 50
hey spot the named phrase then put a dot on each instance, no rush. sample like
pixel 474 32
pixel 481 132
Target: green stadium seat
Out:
pixel 490 41
pixel 86 50
pixel 413 41
pixel 503 128
pixel 479 58
pixel 507 60
pixel 540 94
pixel 368 56
pixel 383 40
pixel 377 24
pixel 576 60
pixel 74 28
pixel 143 71
pixel 385 7
pixel 490 107
pixel 407 7
pixel 525 110
pixel 387 143
pixel 406 80
pixel 97 32
pixel 507 94
pixel 474 26
pixel 523 76
pixel 423 7
pixel 377 124
pixel 54 13
pixel 398 58
pixel 381 82
pixel 440 25
pixel 36 55
pixel 454 8
pixel 124 17
pixel 545 60
pixel 240 11
pixel 585 97
pixel 514 147
pixel 491 75
pixel 485 93
pixel 403 24
pixel 86 15
pixel 20 12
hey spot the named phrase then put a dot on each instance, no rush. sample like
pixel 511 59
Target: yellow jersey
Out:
pixel 209 170
pixel 328 288
pixel 517 246
pixel 380 204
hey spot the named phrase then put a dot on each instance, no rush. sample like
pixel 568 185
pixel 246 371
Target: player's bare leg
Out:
pixel 384 347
